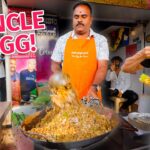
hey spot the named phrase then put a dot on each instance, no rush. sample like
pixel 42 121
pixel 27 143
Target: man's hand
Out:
pixel 146 52
pixel 112 67
pixel 55 66
pixel 92 93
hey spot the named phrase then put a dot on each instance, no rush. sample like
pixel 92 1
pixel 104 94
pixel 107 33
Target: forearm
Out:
pixel 55 66
pixel 100 73
pixel 132 64
pixel 99 78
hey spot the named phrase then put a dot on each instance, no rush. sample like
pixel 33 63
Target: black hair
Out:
pixel 116 58
pixel 83 3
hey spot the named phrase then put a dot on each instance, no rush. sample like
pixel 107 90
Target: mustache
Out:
pixel 79 24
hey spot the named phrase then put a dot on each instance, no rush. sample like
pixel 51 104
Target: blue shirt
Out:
pixel 15 76
pixel 27 80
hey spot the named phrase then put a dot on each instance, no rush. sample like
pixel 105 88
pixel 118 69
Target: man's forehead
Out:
pixel 81 10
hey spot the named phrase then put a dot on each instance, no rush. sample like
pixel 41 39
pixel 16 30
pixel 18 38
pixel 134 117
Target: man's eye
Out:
pixel 84 16
pixel 76 17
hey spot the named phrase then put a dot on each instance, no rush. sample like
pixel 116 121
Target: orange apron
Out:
pixel 80 63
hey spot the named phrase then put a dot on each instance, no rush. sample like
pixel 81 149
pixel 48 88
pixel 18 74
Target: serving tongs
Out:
pixel 103 110
pixel 99 95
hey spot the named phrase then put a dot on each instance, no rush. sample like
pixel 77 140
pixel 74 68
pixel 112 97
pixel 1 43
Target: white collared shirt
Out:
pixel 73 35
pixel 121 82
pixel 102 50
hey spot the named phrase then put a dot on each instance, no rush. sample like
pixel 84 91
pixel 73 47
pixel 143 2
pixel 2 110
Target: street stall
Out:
pixel 43 111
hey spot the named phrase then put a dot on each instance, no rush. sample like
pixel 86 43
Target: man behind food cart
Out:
pixel 83 52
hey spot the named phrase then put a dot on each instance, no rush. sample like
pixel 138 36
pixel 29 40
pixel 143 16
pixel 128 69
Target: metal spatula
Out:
pixel 99 95
pixel 103 110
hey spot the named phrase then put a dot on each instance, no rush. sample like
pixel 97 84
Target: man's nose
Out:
pixel 80 19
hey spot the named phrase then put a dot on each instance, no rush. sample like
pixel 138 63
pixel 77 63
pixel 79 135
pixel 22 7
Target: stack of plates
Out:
pixel 140 120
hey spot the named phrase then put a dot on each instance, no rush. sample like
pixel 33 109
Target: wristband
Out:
pixel 95 86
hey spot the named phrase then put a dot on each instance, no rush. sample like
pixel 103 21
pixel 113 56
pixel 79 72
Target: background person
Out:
pixel 83 52
pixel 120 83
pixel 28 79
pixel 15 82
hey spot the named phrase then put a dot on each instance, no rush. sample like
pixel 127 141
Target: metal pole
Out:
pixel 8 79
pixel 144 28
pixel 7 63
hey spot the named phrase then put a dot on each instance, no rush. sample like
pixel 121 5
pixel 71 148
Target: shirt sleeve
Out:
pixel 125 84
pixel 112 76
pixel 57 54
pixel 108 75
pixel 112 79
pixel 102 49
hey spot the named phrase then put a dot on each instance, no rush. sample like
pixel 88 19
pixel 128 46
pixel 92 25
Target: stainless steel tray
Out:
pixel 140 120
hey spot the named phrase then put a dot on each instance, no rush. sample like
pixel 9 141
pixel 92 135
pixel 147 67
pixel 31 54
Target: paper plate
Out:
pixel 140 120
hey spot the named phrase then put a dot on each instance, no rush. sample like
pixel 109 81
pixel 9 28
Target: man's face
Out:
pixel 12 65
pixel 31 65
pixel 117 64
pixel 82 19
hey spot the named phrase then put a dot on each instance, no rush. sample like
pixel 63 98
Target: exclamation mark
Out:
pixel 33 47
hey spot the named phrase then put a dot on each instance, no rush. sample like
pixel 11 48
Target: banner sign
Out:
pixel 46 40
pixel 22 65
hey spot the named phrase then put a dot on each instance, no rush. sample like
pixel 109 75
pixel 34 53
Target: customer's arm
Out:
pixel 133 63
